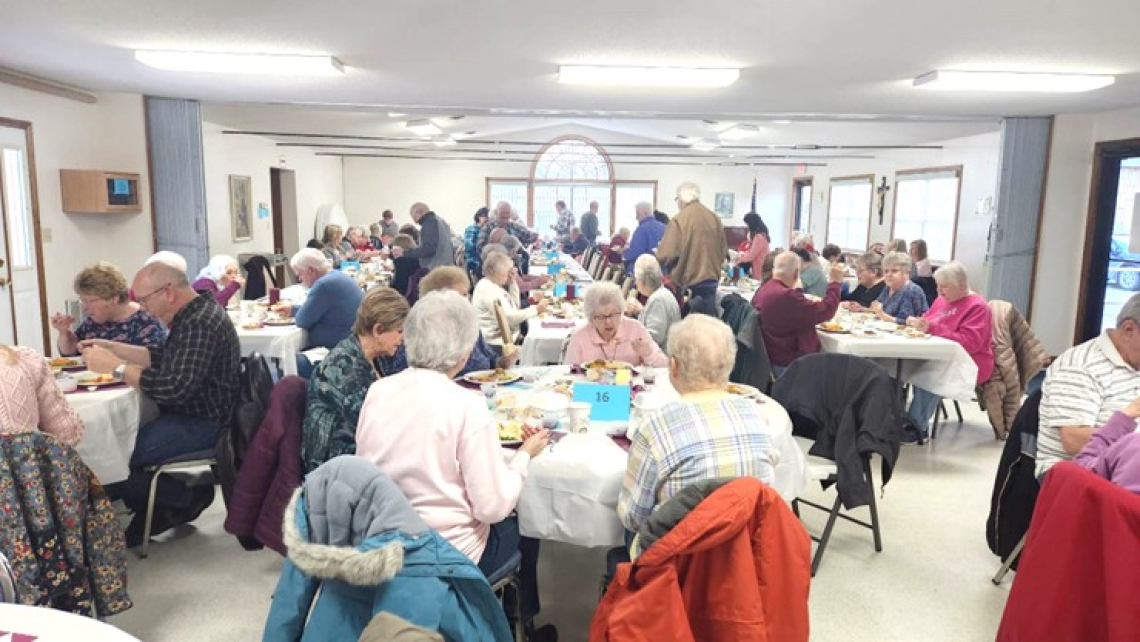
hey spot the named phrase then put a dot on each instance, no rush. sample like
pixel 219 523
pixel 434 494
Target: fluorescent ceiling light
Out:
pixel 234 63
pixel 1011 81
pixel 781 122
pixel 395 114
pixel 443 141
pixel 705 145
pixel 646 76
pixel 739 132
pixel 423 127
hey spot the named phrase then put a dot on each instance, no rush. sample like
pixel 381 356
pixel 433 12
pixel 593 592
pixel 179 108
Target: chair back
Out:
pixel 504 324
pixel 626 285
pixel 607 273
pixel 929 287
pixel 1016 487
pixel 254 389
pixel 257 275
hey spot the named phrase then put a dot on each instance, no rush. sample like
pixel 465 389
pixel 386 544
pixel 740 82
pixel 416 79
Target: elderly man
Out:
pixel 589 224
pixel 577 243
pixel 788 318
pixel 330 307
pixel 693 249
pixel 1085 385
pixel 435 248
pixel 646 237
pixel 565 222
pixel 707 434
pixel 193 378
pixel 502 220
pixel 388 224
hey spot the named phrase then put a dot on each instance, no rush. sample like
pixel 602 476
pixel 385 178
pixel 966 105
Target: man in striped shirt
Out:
pixel 708 434
pixel 1085 385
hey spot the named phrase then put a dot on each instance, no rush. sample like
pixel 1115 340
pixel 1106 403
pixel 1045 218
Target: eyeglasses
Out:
pixel 143 299
pixel 597 318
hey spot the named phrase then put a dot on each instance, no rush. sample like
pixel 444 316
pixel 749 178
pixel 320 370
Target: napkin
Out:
pixel 558 324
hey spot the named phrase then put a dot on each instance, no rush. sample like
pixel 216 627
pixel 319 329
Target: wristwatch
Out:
pixel 117 373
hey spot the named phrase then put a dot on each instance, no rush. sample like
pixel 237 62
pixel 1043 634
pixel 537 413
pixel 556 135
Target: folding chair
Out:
pixel 508 577
pixel 824 470
pixel 1009 561
pixel 607 274
pixel 626 286
pixel 944 415
pixel 505 332
pixel 188 461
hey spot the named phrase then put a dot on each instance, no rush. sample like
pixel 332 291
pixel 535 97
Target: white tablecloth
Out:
pixel 571 492
pixel 935 364
pixel 274 342
pixel 543 346
pixel 573 268
pixel 18 622
pixel 111 423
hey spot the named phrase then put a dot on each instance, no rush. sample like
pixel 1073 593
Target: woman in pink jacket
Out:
pixel 960 315
pixel 30 400
pixel 759 244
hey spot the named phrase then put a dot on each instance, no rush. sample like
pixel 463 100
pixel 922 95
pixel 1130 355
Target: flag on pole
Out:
pixel 754 177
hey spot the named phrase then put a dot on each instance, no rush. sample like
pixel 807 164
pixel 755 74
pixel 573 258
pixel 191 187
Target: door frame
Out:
pixel 29 143
pixel 797 183
pixel 1103 188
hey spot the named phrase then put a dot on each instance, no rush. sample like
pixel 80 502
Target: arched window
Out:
pixel 574 160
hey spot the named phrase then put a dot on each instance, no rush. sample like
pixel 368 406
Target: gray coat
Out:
pixel 435 248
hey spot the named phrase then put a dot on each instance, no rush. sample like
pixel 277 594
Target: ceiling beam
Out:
pixel 44 86
pixel 711 161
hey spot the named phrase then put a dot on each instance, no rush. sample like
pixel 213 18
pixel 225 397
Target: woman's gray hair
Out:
pixel 497 263
pixel 953 272
pixel 440 331
pixel 688 192
pixel 647 271
pixel 873 262
pixel 600 295
pixel 511 244
pixel 901 260
pixel 310 258
pixel 491 248
pixel 704 349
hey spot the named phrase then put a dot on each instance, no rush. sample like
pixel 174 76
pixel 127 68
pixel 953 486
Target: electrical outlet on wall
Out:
pixel 45 234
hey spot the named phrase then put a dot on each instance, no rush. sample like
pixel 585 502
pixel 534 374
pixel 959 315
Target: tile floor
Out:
pixel 930 582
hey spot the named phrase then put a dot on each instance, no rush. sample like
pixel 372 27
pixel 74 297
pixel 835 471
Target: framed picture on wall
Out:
pixel 723 204
pixel 241 197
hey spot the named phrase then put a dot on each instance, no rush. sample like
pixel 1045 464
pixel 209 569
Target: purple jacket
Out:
pixel 271 470
pixel 222 295
pixel 1114 452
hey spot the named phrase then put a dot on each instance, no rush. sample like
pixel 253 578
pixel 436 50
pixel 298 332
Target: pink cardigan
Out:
pixel 586 346
pixel 968 322
pixel 757 251
pixel 446 456
pixel 30 401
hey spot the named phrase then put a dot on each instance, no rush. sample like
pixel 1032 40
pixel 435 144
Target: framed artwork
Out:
pixel 241 197
pixel 724 203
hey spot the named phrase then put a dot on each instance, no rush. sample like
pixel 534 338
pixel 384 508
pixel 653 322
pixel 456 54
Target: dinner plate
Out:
pixel 66 363
pixel 830 331
pixel 610 364
pixel 743 390
pixel 279 322
pixel 86 379
pixel 487 376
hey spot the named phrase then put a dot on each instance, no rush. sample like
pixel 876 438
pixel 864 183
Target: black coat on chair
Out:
pixel 1015 486
pixel 256 271
pixel 253 400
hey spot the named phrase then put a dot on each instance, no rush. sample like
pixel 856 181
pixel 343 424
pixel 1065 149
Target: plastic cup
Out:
pixel 580 416
pixel 649 375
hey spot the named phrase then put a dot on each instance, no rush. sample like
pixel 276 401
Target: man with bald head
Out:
pixel 501 220
pixel 192 378
pixel 787 317
pixel 435 248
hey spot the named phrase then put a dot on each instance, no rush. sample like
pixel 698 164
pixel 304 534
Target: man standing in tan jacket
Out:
pixel 693 249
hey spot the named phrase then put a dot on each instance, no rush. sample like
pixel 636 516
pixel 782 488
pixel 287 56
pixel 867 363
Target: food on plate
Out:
pixel 510 430
pixel 830 326
pixel 251 325
pixel 506 401
pixel 65 362
pixel 96 379
pixel 498 375
pixel 283 309
pixel 564 387
pixel 914 333
pixel 742 390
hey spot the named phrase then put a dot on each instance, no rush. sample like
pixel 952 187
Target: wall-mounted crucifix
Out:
pixel 882 190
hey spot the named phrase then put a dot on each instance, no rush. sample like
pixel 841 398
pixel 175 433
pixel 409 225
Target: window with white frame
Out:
pixel 628 196
pixel 926 207
pixel 511 191
pixel 18 204
pixel 849 212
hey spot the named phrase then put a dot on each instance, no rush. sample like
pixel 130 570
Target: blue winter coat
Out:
pixel 353 537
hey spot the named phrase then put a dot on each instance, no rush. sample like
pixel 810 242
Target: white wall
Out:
pixel 1064 217
pixel 455 189
pixel 108 135
pixel 978 156
pixel 319 181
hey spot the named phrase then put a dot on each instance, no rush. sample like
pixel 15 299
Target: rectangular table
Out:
pixel 274 342
pixel 935 364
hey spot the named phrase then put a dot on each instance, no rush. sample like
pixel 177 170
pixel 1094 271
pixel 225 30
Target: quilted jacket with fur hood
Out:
pixel 357 548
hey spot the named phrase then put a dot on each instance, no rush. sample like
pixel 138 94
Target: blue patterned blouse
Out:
pixel 909 301
pixel 139 329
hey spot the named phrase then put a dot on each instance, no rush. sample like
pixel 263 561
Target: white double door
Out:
pixel 21 321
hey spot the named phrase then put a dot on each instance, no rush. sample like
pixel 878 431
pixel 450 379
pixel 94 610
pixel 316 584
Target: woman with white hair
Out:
pixel 902 298
pixel 707 434
pixel 498 285
pixel 661 310
pixel 609 335
pixel 446 457
pixel 221 277
pixel 960 315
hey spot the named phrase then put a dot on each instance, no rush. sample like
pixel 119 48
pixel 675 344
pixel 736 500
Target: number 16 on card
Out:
pixel 607 402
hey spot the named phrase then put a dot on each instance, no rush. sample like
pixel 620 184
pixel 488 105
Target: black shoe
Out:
pixel 544 633
pixel 164 520
pixel 201 499
pixel 913 436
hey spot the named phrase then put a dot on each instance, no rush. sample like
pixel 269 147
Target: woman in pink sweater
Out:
pixel 960 315
pixel 758 245
pixel 30 400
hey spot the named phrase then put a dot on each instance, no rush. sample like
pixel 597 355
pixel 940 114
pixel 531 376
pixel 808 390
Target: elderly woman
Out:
pixel 661 310
pixel 611 336
pixel 341 380
pixel 869 272
pixel 526 282
pixel 446 457
pixel 832 253
pixel 960 315
pixel 901 299
pixel 221 277
pixel 357 244
pixel 707 434
pixel 617 246
pixel 111 315
pixel 30 400
pixel 333 240
pixel 498 285
pixel 405 266
pixel 921 261
pixel 812 278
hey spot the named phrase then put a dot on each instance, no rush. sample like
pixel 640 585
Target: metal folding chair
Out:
pixel 198 459
pixel 1009 561
pixel 500 580
pixel 827 472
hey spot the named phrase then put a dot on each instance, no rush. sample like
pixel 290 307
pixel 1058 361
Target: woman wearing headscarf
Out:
pixel 221 277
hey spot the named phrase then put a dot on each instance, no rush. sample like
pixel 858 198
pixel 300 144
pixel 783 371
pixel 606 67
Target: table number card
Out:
pixel 559 289
pixel 607 402
pixel 554 268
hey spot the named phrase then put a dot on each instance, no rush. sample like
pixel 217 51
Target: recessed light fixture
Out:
pixel 239 63
pixel 396 114
pixel 423 127
pixel 646 76
pixel 739 132
pixel 443 141
pixel 1011 81
pixel 704 145
pixel 781 122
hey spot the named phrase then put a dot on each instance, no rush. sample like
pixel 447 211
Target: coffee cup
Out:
pixel 580 416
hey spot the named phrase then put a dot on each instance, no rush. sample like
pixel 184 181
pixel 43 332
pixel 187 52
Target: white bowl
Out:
pixel 66 383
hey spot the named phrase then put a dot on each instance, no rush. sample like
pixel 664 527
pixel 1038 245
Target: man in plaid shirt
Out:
pixel 193 378
pixel 501 219
pixel 707 434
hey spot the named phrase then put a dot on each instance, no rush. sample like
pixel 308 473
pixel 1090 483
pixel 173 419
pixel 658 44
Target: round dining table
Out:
pixel 19 623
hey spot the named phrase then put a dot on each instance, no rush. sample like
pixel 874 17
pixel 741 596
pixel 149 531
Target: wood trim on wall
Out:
pixel 870 178
pixel 957 170
pixel 34 195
